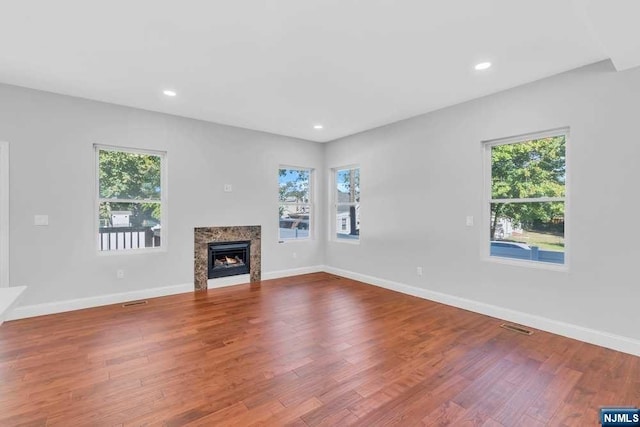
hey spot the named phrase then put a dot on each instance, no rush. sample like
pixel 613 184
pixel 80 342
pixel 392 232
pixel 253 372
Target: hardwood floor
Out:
pixel 307 350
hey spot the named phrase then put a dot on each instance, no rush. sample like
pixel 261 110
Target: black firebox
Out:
pixel 229 258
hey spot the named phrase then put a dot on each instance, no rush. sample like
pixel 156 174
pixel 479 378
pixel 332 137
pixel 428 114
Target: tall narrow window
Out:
pixel 295 209
pixel 347 203
pixel 131 198
pixel 527 197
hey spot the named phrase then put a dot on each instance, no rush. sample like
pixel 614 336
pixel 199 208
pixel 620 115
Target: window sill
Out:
pixel 347 241
pixel 305 240
pixel 527 264
pixel 145 251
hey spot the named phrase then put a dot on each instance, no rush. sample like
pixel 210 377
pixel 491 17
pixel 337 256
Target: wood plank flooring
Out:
pixel 311 350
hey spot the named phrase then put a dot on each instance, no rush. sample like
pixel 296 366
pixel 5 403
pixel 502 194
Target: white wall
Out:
pixel 52 172
pixel 421 177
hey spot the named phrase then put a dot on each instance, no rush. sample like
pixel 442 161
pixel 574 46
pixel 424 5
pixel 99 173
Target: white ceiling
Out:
pixel 282 66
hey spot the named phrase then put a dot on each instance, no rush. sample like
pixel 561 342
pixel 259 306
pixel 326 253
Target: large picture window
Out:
pixel 131 199
pixel 527 190
pixel 295 209
pixel 347 203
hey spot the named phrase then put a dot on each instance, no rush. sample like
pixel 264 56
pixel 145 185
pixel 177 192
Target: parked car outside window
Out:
pixel 511 245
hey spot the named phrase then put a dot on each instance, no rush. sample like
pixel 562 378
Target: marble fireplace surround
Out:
pixel 205 235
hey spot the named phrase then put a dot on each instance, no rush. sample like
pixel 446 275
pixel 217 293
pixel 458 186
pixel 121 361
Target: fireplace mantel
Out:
pixel 205 235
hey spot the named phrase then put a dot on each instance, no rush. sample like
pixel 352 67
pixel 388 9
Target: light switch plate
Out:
pixel 469 221
pixel 228 188
pixel 41 220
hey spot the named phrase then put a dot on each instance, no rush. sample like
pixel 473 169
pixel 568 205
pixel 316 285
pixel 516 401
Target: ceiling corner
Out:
pixel 614 25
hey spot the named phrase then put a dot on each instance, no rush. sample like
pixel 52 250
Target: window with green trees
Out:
pixel 130 198
pixel 527 185
pixel 295 209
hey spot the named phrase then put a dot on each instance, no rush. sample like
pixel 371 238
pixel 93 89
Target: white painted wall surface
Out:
pixel 421 177
pixel 4 214
pixel 52 172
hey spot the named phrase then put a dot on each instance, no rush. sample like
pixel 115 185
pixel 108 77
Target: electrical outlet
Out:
pixel 419 271
pixel 469 221
pixel 228 188
pixel 120 274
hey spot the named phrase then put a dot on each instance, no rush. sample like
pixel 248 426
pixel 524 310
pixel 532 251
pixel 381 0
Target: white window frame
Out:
pixel 311 204
pixel 487 200
pixel 4 214
pixel 163 199
pixel 333 194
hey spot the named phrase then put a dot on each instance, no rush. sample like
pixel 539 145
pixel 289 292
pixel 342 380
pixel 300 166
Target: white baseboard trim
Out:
pixel 604 339
pixel 292 272
pixel 592 336
pixel 22 312
pixel 80 303
pixel 9 298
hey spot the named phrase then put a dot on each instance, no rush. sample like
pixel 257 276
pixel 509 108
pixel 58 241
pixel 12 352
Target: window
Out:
pixel 131 199
pixel 295 209
pixel 526 200
pixel 347 203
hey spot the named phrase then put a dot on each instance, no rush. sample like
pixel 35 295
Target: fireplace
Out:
pixel 204 236
pixel 229 258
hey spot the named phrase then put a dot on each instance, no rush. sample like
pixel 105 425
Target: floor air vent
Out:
pixel 518 329
pixel 130 303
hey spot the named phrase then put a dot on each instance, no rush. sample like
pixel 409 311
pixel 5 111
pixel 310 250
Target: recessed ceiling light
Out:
pixel 318 127
pixel 169 92
pixel 483 66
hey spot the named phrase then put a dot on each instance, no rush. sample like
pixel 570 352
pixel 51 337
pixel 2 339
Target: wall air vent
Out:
pixel 515 328
pixel 132 303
